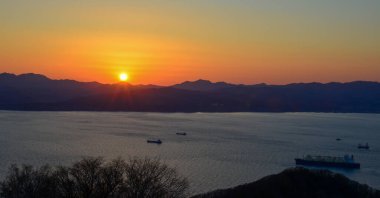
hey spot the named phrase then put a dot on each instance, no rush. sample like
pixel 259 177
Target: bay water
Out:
pixel 220 150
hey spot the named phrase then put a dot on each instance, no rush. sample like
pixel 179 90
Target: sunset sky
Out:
pixel 170 41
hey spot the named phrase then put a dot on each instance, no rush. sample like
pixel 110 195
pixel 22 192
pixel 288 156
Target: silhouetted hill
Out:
pixel 33 88
pixel 300 183
pixel 203 85
pixel 37 92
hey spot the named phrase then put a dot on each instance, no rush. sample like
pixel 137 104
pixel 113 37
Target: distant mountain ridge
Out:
pixel 37 92
pixel 203 85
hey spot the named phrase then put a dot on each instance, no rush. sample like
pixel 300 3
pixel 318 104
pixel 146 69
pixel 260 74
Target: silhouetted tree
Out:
pixel 86 176
pixel 93 177
pixel 66 186
pixel 149 178
pixel 112 179
pixel 25 181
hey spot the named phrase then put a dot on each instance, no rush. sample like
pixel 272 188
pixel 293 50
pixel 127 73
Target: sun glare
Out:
pixel 123 77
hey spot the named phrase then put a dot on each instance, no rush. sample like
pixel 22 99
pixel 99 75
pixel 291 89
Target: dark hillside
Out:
pixel 299 182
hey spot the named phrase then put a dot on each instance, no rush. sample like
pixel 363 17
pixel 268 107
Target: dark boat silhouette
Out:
pixel 365 146
pixel 338 139
pixel 181 133
pixel 328 161
pixel 154 141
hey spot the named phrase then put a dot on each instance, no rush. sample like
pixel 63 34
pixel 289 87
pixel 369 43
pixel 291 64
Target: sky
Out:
pixel 169 41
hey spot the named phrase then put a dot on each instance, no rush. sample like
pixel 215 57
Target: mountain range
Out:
pixel 36 92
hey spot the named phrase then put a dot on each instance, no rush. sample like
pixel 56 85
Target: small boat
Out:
pixel 181 133
pixel 365 146
pixel 154 141
pixel 328 161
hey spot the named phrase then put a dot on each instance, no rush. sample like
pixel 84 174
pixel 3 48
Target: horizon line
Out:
pixel 186 81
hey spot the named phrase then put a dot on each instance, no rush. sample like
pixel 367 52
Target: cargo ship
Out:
pixel 365 146
pixel 328 161
pixel 154 141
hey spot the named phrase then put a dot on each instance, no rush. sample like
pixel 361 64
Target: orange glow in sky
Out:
pixel 167 42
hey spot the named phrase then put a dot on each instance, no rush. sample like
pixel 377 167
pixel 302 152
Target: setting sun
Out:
pixel 123 77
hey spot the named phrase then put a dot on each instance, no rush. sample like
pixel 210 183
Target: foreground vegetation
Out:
pixel 149 178
pixel 299 182
pixel 95 178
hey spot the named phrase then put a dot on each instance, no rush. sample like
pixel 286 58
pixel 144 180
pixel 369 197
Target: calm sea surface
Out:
pixel 220 150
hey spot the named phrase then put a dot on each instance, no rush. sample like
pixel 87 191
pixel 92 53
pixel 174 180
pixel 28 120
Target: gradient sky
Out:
pixel 170 41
